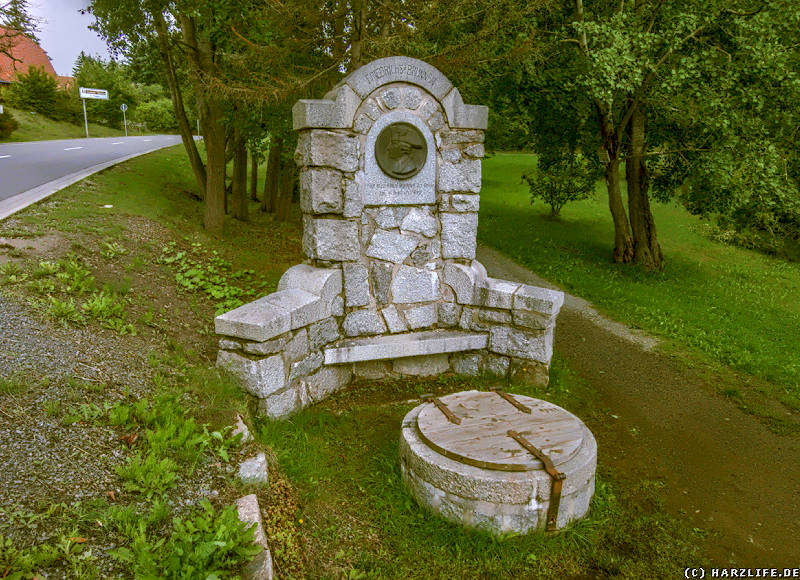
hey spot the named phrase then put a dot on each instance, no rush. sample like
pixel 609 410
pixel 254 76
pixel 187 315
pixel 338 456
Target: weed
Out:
pixel 103 306
pixel 18 563
pixel 42 286
pixel 200 271
pixel 210 544
pixel 74 277
pixel 12 385
pixel 111 250
pixel 64 311
pixel 148 475
pixel 11 273
pixel 137 264
pixel 46 268
pixel 52 407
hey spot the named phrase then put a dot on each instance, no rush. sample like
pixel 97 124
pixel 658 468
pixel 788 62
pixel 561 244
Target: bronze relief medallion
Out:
pixel 401 150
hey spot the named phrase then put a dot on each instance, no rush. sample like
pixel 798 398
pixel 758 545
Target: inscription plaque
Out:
pixel 401 150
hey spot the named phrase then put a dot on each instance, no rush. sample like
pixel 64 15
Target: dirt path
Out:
pixel 724 471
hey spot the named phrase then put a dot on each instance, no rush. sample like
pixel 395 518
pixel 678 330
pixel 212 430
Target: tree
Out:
pixel 7 124
pixel 670 91
pixel 15 22
pixel 35 91
pixel 557 181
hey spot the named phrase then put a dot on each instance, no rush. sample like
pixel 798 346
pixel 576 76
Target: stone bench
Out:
pixel 393 346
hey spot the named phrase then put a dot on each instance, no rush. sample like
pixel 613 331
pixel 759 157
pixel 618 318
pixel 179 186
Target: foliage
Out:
pixel 148 475
pixel 158 115
pixel 35 91
pixel 111 76
pixel 210 544
pixel 8 124
pixel 704 299
pixel 200 271
pixel 561 180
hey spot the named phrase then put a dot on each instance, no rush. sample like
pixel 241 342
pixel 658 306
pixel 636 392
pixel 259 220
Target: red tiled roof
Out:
pixel 28 53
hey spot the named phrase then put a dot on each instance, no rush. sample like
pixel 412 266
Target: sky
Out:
pixel 64 32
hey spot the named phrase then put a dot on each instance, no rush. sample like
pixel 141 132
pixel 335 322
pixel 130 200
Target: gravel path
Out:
pixel 724 471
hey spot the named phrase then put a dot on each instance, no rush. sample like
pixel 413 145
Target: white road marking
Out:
pixel 147 140
pixel 72 148
pixel 4 156
pixel 117 143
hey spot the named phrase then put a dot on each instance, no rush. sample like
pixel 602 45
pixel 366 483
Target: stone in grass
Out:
pixel 241 429
pixel 254 470
pixel 260 567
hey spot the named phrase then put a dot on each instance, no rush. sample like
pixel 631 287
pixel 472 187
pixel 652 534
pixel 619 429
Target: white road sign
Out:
pixel 93 93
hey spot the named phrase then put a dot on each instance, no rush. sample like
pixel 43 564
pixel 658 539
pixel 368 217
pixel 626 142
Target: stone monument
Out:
pixel 390 175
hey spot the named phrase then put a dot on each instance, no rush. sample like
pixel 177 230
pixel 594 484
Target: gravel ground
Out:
pixel 45 462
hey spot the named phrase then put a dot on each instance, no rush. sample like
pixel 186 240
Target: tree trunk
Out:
pixel 184 128
pixel 269 203
pixel 623 245
pixel 646 249
pixel 214 217
pixel 200 57
pixel 239 178
pixel 254 177
pixel 357 35
pixel 287 189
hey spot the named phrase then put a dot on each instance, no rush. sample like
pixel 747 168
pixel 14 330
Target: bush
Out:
pixel 7 124
pixel 566 178
pixel 35 91
pixel 158 115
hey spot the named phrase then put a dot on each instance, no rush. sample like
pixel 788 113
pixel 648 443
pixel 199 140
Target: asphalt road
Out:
pixel 25 166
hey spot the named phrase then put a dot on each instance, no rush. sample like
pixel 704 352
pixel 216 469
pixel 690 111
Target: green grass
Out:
pixel 736 306
pixel 37 127
pixel 358 521
pixel 160 186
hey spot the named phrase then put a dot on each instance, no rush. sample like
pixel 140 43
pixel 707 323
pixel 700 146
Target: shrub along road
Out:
pixel 723 470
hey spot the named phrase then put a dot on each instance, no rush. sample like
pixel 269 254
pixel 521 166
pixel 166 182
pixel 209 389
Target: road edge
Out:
pixel 12 205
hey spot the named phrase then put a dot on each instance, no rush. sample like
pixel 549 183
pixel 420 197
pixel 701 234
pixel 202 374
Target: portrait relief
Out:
pixel 400 150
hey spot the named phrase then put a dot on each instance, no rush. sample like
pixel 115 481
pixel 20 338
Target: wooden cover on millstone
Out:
pixel 481 438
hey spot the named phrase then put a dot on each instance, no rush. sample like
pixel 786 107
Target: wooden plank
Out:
pixel 482 437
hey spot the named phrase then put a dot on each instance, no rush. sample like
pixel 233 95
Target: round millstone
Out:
pixel 474 473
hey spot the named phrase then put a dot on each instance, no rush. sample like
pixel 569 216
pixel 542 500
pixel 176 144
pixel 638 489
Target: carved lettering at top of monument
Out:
pixel 398 69
pixel 406 71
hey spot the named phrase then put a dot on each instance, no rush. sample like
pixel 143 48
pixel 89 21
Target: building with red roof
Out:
pixel 27 54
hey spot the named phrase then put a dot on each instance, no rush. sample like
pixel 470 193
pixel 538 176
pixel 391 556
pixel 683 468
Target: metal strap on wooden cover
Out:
pixel 510 399
pixel 557 477
pixel 428 398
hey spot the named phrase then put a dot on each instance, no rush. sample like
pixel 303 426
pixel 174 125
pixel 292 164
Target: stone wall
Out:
pixel 386 256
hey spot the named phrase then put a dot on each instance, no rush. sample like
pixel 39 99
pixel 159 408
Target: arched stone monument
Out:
pixel 390 175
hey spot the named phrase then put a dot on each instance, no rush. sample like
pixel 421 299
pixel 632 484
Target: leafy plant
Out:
pixel 64 311
pixel 103 306
pixel 148 475
pixel 206 272
pixel 46 268
pixel 12 273
pixel 111 250
pixel 209 544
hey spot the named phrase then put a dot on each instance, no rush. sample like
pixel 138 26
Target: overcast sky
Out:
pixel 64 32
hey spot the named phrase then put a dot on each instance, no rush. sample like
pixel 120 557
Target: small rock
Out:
pixel 254 469
pixel 242 429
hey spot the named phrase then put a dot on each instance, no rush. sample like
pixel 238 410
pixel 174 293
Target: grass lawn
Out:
pixel 357 520
pixel 36 127
pixel 737 307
